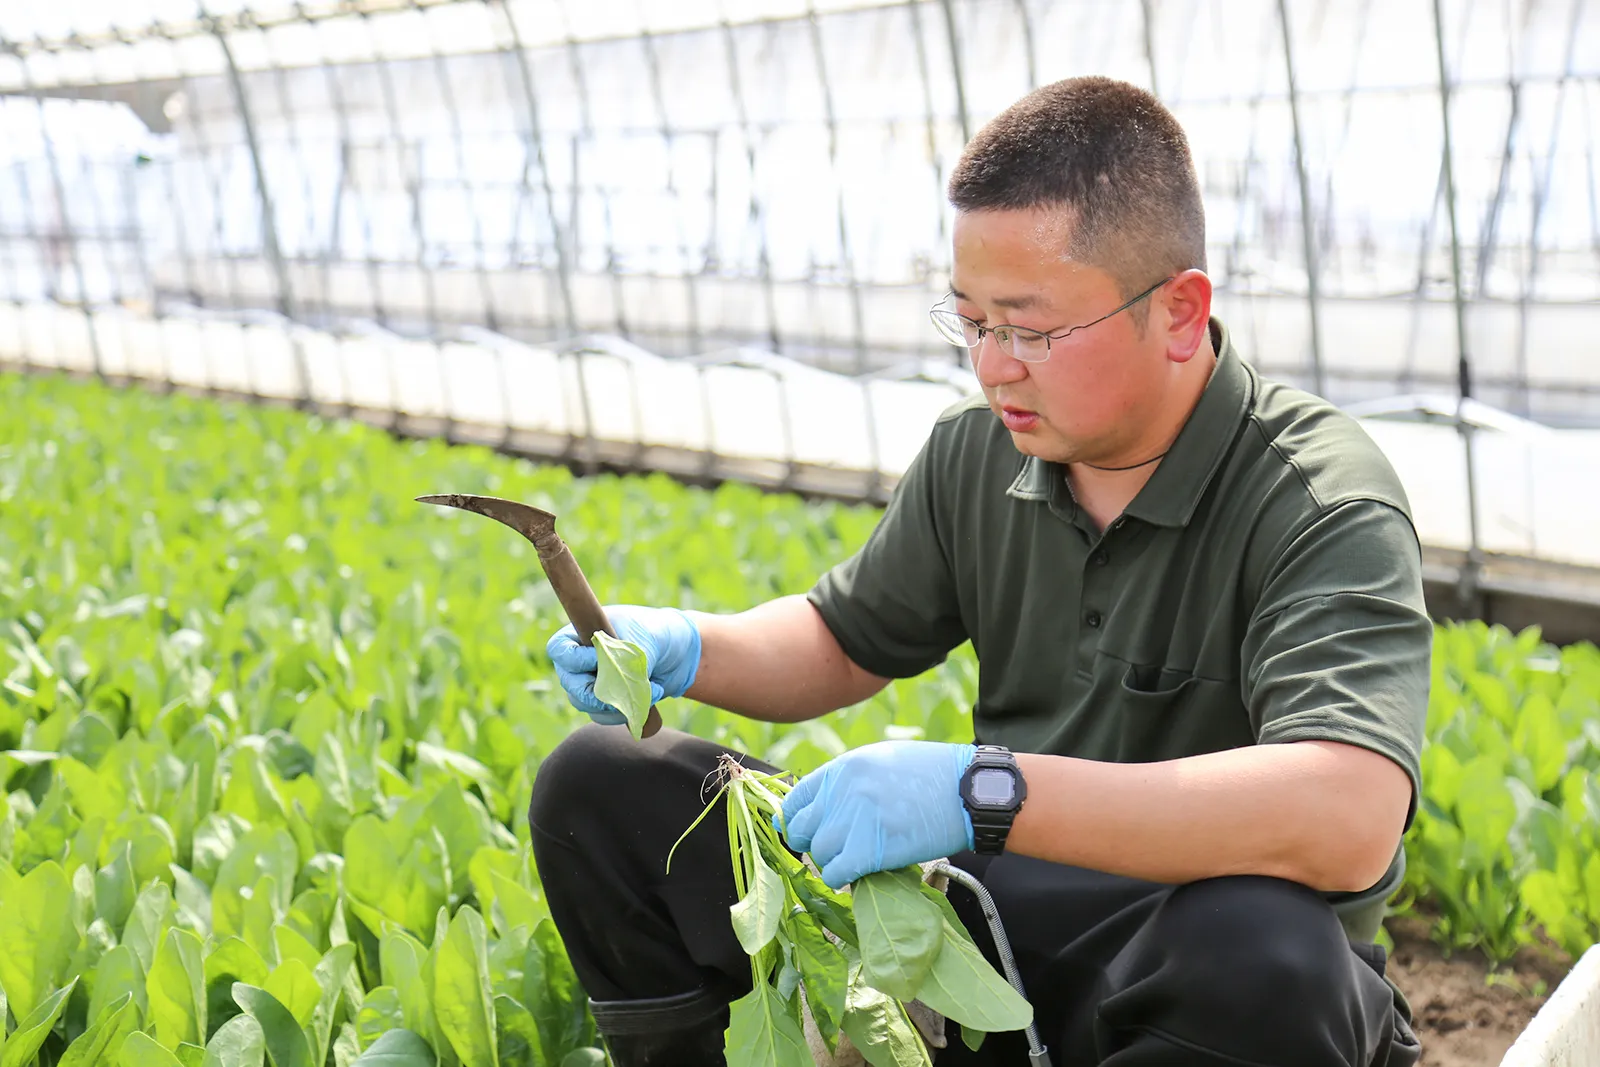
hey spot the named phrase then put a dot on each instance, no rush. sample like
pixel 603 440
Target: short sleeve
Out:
pixel 1340 643
pixel 892 606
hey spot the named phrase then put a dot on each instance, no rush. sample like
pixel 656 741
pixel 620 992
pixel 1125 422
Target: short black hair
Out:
pixel 1113 155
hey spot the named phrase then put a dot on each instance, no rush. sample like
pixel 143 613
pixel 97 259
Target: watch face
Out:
pixel 991 785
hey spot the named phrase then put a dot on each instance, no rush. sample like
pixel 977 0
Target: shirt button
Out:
pixel 1093 619
pixel 1099 558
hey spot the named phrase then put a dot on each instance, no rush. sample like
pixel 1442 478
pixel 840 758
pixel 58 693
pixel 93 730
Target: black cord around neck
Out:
pixel 1131 467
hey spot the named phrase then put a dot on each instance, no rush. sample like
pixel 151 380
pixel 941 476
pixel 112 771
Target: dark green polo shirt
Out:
pixel 1265 586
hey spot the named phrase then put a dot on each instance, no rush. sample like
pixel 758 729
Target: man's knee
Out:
pixel 1253 967
pixel 601 774
pixel 589 775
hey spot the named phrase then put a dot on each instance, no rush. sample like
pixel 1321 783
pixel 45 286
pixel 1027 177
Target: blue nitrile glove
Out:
pixel 880 807
pixel 671 643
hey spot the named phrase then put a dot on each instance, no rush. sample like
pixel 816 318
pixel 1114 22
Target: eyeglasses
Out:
pixel 1019 342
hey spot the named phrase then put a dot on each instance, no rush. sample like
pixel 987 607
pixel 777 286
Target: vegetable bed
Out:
pixel 269 729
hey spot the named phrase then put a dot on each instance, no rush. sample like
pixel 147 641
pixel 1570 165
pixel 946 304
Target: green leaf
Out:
pixel 622 679
pixel 346 1047
pixel 261 853
pixel 463 994
pixel 755 915
pixel 150 916
pixel 1493 695
pixel 285 1041
pixel 463 826
pixel 1485 808
pixel 142 1050
pixel 878 1026
pixel 191 1055
pixel 176 987
pixel 331 973
pixel 114 889
pixel 823 969
pixel 395 875
pixel 553 995
pixel 118 974
pixel 32 1030
pixel 964 988
pixel 237 1043
pixel 101 1041
pixel 1547 901
pixel 151 845
pixel 88 739
pixel 830 908
pixel 519 1034
pixel 899 930
pixel 762 1032
pixel 401 962
pixel 1539 737
pixel 380 1012
pixel 1441 775
pixel 193 900
pixel 296 988
pixel 585 1057
pixel 397 1048
pixel 516 904
pixel 37 936
pixel 234 958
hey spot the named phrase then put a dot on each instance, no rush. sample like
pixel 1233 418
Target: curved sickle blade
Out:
pixel 572 589
pixel 533 523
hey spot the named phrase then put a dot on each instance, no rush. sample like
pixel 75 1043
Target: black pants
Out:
pixel 1121 972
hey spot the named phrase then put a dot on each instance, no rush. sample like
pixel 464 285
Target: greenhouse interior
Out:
pixel 649 260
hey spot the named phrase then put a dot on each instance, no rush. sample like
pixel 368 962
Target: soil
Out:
pixel 1466 1016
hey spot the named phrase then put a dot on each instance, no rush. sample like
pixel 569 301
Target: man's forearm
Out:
pixel 777 662
pixel 1322 814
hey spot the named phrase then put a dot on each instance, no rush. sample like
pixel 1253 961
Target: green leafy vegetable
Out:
pixel 37 936
pixel 463 994
pixel 762 1029
pixel 900 934
pixel 878 1026
pixel 964 988
pixel 32 1030
pixel 142 1050
pixel 238 1042
pixel 99 1043
pixel 755 916
pixel 622 679
pixel 397 1048
pixel 256 695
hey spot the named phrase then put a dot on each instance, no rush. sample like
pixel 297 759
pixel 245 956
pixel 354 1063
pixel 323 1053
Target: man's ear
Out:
pixel 1188 314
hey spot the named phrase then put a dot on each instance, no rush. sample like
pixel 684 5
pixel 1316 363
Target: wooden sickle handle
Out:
pixel 583 607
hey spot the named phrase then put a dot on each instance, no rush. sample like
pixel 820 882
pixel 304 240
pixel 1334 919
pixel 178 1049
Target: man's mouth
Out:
pixel 1018 420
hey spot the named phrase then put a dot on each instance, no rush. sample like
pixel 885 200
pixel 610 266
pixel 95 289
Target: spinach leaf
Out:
pixel 622 679
pixel 763 1031
pixel 899 929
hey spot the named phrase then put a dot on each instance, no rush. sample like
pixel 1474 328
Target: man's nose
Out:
pixel 993 366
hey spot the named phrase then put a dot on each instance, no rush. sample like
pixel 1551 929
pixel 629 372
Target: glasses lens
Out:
pixel 955 329
pixel 1027 345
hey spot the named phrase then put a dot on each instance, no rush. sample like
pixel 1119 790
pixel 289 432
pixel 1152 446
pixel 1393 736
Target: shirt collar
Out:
pixel 1173 492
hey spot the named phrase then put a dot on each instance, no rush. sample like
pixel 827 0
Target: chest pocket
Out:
pixel 1165 713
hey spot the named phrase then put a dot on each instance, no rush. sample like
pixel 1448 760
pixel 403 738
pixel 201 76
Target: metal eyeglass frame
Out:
pixel 1005 332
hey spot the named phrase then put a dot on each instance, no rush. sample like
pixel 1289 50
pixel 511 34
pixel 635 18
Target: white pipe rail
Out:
pixel 744 414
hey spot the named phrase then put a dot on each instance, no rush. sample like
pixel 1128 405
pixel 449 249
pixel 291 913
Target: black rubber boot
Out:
pixel 680 1031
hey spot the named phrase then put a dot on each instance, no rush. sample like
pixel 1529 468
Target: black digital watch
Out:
pixel 993 789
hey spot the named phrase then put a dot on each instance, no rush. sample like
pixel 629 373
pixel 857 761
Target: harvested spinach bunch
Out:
pixel 851 961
